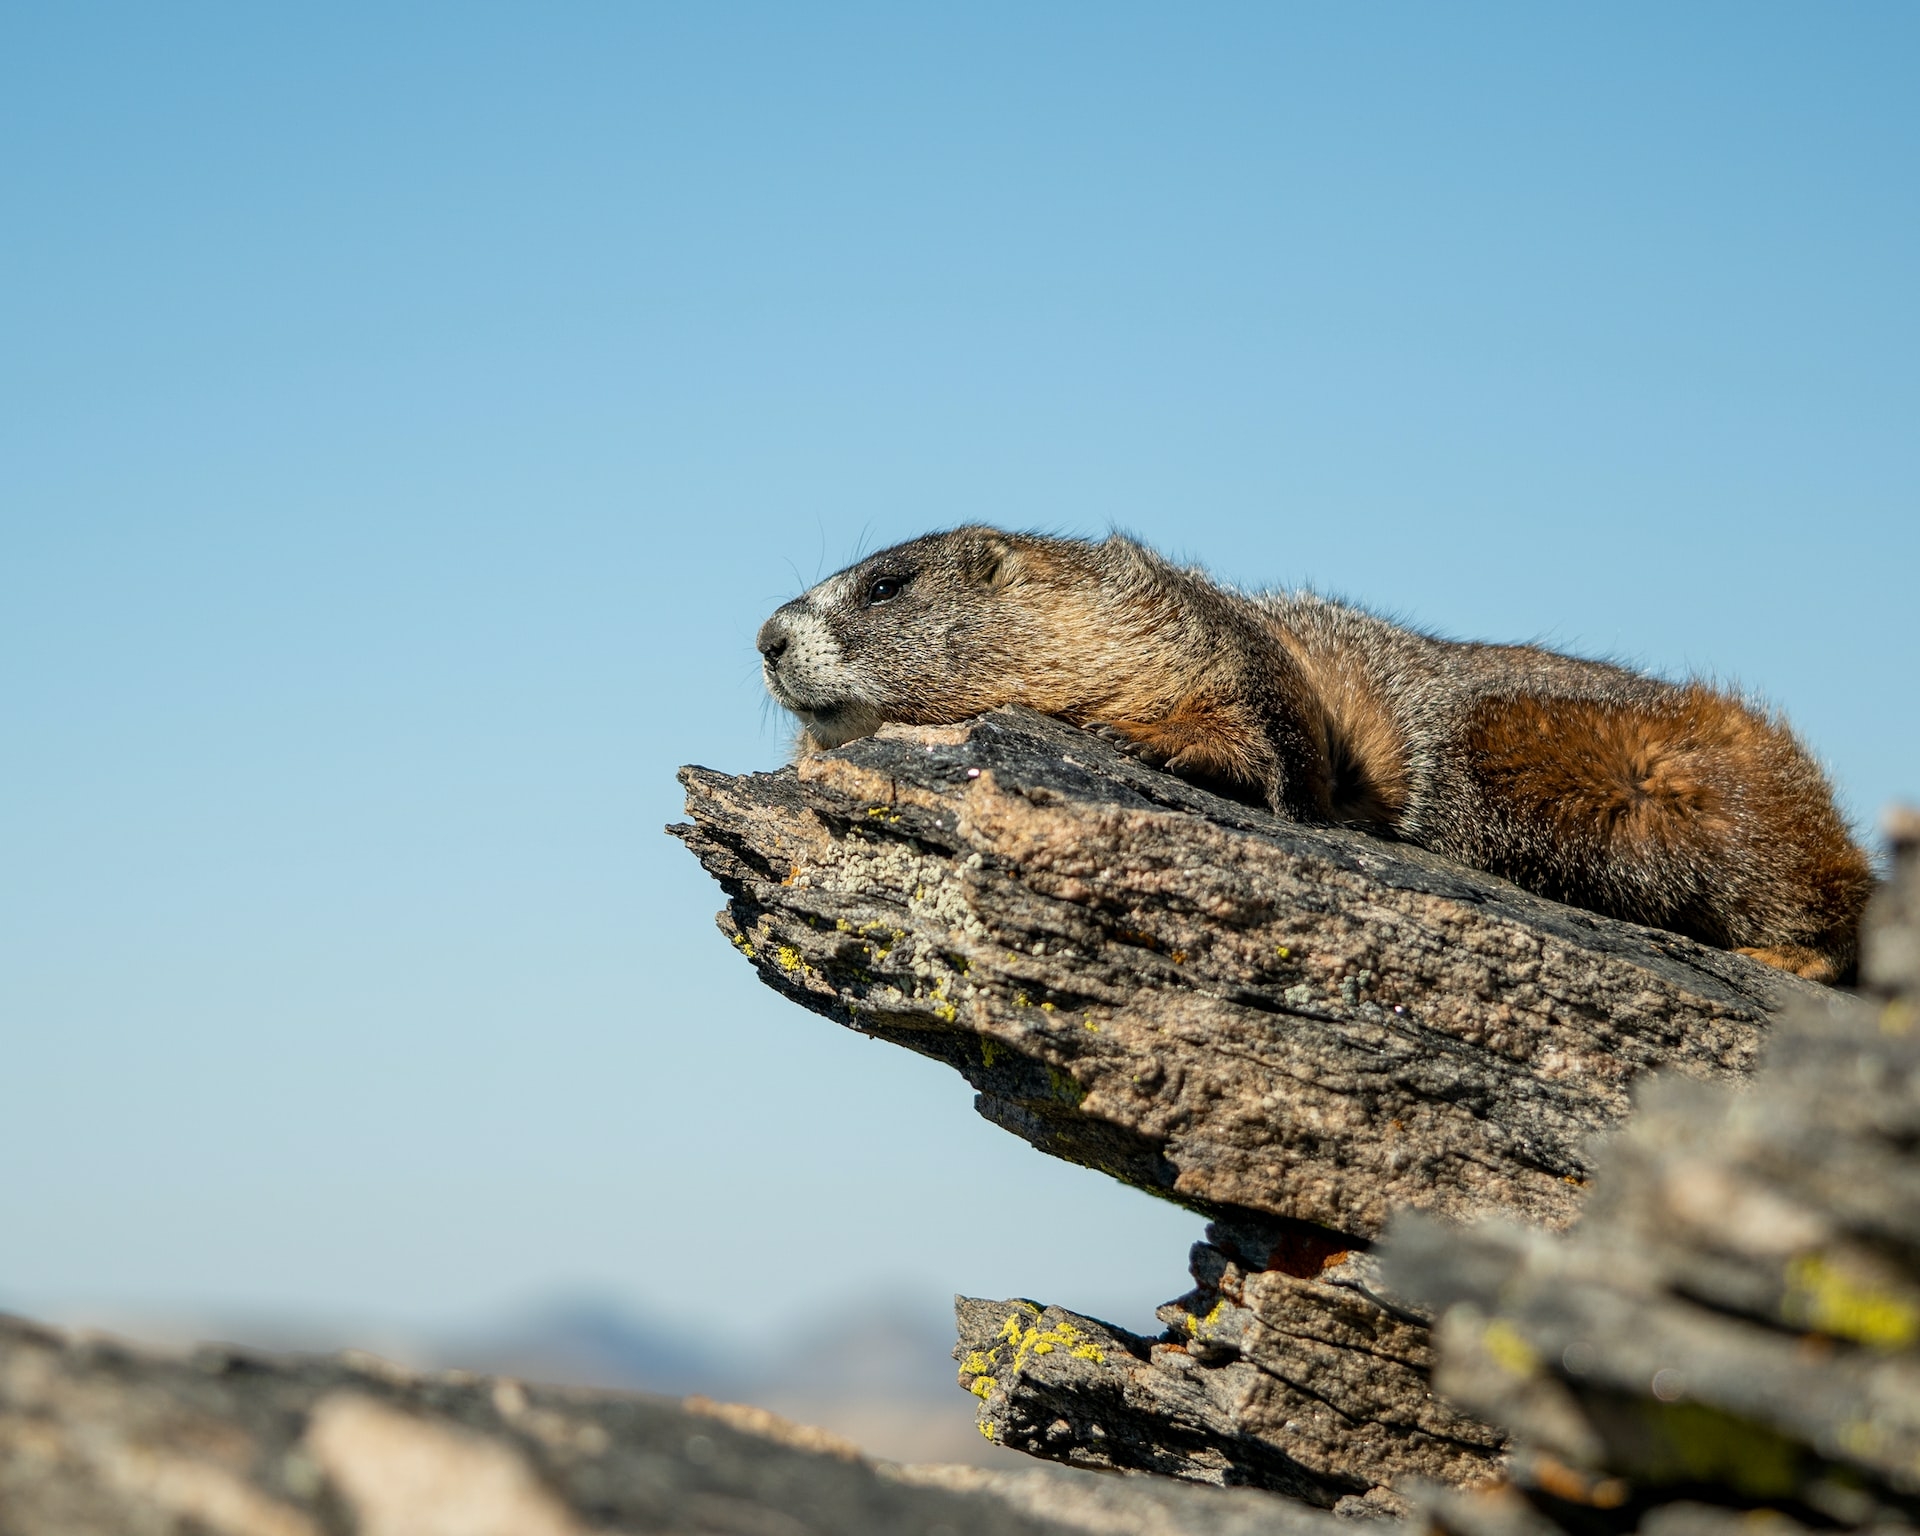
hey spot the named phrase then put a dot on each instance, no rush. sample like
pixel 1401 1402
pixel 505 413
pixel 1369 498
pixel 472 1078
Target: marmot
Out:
pixel 1672 804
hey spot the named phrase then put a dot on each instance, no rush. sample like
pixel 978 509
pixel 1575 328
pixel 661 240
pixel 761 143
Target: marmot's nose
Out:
pixel 772 639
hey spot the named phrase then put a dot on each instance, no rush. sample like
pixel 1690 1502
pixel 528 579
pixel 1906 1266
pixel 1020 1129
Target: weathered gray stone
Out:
pixel 98 1439
pixel 1734 1324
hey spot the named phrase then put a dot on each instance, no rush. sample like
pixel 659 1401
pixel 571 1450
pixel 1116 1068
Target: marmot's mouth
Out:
pixel 796 700
pixel 838 724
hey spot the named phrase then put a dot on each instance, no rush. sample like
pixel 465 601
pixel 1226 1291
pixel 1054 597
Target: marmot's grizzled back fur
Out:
pixel 1676 805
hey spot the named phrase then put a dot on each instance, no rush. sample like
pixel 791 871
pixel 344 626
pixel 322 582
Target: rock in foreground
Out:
pixel 1732 1331
pixel 98 1439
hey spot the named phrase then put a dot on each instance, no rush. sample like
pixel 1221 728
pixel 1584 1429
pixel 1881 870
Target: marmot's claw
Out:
pixel 1113 735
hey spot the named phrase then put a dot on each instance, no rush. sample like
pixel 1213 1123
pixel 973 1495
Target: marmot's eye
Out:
pixel 885 590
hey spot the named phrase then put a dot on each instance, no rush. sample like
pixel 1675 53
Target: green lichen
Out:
pixel 1065 1089
pixel 1695 1443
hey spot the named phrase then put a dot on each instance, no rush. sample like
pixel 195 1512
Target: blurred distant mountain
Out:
pixel 881 1372
pixel 593 1342
pixel 886 1347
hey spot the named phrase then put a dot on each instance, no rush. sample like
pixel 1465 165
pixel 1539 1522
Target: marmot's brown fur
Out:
pixel 1672 804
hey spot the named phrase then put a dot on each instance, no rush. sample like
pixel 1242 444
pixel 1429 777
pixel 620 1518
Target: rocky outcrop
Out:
pixel 1295 1030
pixel 1625 1282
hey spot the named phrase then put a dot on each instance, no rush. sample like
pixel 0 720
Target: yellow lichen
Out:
pixel 1861 1437
pixel 1028 1339
pixel 1508 1350
pixel 789 958
pixel 1824 1298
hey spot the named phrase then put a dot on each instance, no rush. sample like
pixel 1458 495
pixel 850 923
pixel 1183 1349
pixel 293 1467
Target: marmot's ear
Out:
pixel 993 561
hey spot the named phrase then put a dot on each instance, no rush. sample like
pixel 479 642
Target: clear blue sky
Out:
pixel 408 413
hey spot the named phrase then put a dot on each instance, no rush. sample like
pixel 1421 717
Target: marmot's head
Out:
pixel 929 632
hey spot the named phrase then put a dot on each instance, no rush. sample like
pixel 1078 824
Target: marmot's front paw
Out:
pixel 1133 746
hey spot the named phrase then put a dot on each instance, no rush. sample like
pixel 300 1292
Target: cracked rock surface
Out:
pixel 1240 1013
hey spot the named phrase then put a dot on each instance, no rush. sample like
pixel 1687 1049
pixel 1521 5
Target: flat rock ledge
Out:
pixel 1294 1030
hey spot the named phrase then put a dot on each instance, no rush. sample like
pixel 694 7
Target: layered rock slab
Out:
pixel 1240 1013
pixel 1295 1030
